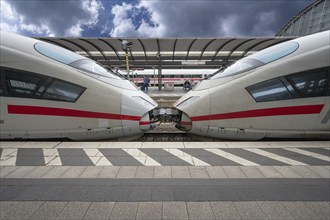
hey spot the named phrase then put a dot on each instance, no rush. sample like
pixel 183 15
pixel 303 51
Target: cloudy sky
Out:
pixel 149 18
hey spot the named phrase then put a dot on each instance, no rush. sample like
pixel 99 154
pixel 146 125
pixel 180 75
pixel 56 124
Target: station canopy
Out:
pixel 175 53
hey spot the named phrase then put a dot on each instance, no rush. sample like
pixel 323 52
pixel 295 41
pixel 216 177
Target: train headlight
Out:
pixel 144 101
pixel 187 101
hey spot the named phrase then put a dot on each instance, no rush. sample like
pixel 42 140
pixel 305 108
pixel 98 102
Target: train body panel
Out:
pixel 285 98
pixel 44 97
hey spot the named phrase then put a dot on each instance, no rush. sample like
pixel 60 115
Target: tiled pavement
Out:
pixel 164 210
pixel 172 180
pixel 164 154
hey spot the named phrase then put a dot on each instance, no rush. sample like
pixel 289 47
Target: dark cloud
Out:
pixel 223 18
pixel 151 18
pixel 59 17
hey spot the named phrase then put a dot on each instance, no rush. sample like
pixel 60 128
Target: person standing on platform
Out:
pixel 146 82
pixel 142 87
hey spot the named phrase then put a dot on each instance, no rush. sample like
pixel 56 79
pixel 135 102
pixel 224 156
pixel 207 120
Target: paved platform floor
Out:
pixel 165 180
pixel 177 91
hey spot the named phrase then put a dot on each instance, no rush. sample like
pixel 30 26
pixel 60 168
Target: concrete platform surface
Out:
pixel 177 91
pixel 164 210
pixel 165 180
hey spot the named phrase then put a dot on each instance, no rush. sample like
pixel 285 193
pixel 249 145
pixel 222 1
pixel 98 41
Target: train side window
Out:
pixel 17 83
pixel 63 91
pixel 312 83
pixel 21 84
pixel 270 90
pixel 2 87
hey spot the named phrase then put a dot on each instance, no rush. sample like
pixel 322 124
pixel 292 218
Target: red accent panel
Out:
pixel 186 123
pixel 291 110
pixel 37 110
pixel 144 123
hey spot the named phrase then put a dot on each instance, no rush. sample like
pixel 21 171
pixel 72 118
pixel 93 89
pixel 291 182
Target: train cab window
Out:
pixel 63 91
pixel 22 85
pixel 57 53
pixel 18 83
pixel 276 52
pixel 270 90
pixel 239 67
pixel 312 83
pixel 72 59
pixel 258 59
pixel 92 67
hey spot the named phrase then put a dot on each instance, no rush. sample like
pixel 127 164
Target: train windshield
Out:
pixel 72 59
pixel 94 68
pixel 258 59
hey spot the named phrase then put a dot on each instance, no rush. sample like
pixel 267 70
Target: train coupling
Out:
pixel 165 115
pixel 157 116
pixel 171 115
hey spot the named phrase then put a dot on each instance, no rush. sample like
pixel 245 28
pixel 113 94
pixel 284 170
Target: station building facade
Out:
pixel 312 19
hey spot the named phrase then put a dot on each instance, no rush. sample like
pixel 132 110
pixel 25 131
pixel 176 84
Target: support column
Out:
pixel 127 65
pixel 159 78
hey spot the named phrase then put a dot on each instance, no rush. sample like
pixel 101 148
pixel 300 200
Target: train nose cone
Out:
pixel 194 108
pixel 185 123
pixel 145 123
pixel 184 104
pixel 136 106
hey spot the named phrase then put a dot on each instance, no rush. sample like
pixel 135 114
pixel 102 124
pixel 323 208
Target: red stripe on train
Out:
pixel 37 110
pixel 144 123
pixel 186 123
pixel 291 110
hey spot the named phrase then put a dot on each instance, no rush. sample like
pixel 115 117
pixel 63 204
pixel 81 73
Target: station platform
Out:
pixel 166 98
pixel 177 91
pixel 165 180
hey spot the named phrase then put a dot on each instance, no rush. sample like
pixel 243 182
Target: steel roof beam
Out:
pixel 174 46
pixel 236 47
pixel 206 46
pixel 112 47
pixel 222 46
pixel 189 48
pixel 144 49
pixel 81 47
pixel 253 46
pixel 95 46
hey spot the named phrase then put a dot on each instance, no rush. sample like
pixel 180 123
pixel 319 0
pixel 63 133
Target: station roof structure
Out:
pixel 312 19
pixel 175 53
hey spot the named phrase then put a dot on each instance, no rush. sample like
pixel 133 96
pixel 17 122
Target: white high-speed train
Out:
pixel 49 92
pixel 280 92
